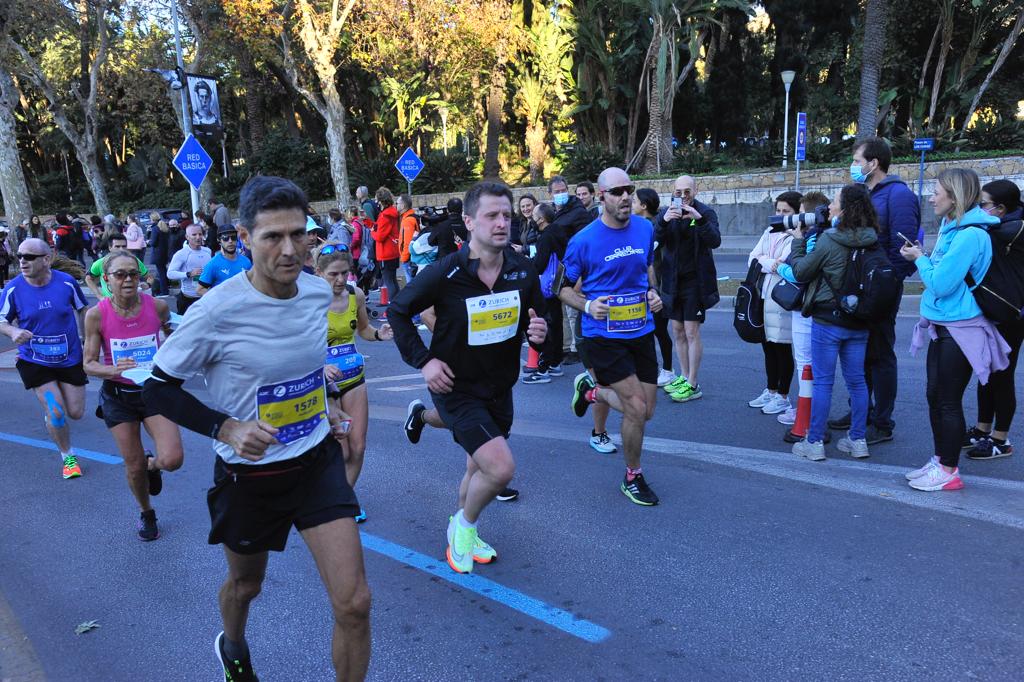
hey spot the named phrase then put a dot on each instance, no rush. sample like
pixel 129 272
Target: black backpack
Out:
pixel 1000 295
pixel 871 288
pixel 748 313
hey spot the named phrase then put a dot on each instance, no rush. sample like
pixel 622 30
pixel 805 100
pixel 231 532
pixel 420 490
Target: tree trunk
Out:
pixel 940 66
pixel 253 102
pixel 334 115
pixel 535 136
pixel 16 200
pixel 875 16
pixel 495 108
pixel 85 152
pixel 653 156
pixel 1004 52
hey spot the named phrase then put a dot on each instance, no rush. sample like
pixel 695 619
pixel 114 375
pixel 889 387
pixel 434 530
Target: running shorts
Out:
pixel 253 507
pixel 34 375
pixel 474 421
pixel 686 304
pixel 616 359
pixel 121 404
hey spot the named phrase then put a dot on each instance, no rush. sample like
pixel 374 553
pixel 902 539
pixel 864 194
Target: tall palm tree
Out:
pixel 875 16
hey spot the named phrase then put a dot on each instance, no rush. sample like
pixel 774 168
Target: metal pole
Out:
pixel 785 132
pixel 409 185
pixel 186 118
pixel 798 175
pixel 224 154
pixel 920 178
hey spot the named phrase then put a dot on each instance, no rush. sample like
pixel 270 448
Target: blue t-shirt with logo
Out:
pixel 220 269
pixel 613 262
pixel 49 313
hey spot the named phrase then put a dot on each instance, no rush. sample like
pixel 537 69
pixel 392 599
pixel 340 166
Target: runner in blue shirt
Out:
pixel 39 311
pixel 226 264
pixel 609 277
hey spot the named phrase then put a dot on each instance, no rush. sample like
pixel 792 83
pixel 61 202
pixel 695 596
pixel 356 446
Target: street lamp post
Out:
pixel 787 80
pixel 186 119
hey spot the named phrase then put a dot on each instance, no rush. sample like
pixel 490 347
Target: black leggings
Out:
pixel 778 365
pixel 999 396
pixel 664 339
pixel 949 372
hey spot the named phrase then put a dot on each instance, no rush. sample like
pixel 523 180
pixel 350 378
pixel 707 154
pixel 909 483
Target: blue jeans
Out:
pixel 829 342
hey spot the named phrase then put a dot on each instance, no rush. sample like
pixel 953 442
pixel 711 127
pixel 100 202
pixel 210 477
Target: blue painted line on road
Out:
pixel 47 445
pixel 514 599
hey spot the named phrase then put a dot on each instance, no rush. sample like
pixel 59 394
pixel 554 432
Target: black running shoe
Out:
pixel 638 491
pixel 414 421
pixel 841 424
pixel 235 670
pixel 147 526
pixel 571 358
pixel 581 385
pixel 987 448
pixel 972 438
pixel 155 477
pixel 508 494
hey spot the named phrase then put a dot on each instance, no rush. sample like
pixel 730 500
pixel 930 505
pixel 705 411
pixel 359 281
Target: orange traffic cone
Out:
pixel 532 360
pixel 803 408
pixel 384 294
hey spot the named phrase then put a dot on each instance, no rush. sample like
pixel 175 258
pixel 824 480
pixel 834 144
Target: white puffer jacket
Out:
pixel 771 249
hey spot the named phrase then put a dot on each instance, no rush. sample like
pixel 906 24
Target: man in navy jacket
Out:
pixel 899 212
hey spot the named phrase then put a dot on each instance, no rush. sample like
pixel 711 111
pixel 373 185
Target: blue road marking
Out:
pixel 47 445
pixel 514 599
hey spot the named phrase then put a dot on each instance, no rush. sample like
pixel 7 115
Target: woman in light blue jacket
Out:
pixel 962 340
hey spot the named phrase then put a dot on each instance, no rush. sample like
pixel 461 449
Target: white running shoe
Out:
pixel 777 404
pixel 602 443
pixel 857 448
pixel 788 417
pixel 761 400
pixel 918 473
pixel 936 479
pixel 812 451
pixel 665 377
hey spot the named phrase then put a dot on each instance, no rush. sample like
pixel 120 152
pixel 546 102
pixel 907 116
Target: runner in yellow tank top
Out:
pixel 345 367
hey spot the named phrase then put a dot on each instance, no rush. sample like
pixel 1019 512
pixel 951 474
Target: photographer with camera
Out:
pixel 450 233
pixel 770 252
pixel 687 232
pixel 834 335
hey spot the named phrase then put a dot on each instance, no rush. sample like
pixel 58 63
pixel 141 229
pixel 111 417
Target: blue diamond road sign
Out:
pixel 409 165
pixel 193 162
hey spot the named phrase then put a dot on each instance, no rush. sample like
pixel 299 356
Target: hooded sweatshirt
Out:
pixel 827 265
pixel 962 246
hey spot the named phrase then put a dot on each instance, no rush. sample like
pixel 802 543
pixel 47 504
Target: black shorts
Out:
pixel 616 359
pixel 474 421
pixel 686 305
pixel 253 507
pixel 122 404
pixel 34 375
pixel 351 387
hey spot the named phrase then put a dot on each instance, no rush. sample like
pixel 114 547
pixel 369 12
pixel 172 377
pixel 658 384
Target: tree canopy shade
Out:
pixel 339 88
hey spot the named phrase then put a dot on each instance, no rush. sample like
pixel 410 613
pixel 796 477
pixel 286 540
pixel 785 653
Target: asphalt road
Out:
pixel 757 565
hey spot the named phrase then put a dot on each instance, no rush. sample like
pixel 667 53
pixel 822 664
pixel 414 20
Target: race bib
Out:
pixel 345 358
pixel 49 350
pixel 493 318
pixel 627 313
pixel 296 407
pixel 141 349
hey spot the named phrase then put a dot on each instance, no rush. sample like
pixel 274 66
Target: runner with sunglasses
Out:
pixel 611 262
pixel 123 332
pixel 226 264
pixel 345 366
pixel 46 305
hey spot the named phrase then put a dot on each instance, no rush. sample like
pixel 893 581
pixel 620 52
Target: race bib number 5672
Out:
pixel 492 318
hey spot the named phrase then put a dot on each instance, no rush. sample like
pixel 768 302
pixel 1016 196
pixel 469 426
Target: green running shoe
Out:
pixel 675 384
pixel 686 393
pixel 482 552
pixel 460 550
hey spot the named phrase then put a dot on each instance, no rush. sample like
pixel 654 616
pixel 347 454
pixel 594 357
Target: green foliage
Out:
pixel 375 173
pixel 299 160
pixel 444 173
pixel 586 161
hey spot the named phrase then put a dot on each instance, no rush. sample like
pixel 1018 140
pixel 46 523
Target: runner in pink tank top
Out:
pixel 123 332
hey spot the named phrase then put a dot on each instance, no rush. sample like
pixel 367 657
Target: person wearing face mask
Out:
pixel 571 216
pixel 834 336
pixel 961 341
pixel 770 252
pixel 998 398
pixel 898 212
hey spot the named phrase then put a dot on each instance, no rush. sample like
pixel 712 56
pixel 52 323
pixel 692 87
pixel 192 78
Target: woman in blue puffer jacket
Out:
pixel 962 341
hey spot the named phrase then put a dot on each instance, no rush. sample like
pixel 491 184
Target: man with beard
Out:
pixel 226 264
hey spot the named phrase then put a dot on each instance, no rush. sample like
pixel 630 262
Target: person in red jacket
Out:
pixel 385 234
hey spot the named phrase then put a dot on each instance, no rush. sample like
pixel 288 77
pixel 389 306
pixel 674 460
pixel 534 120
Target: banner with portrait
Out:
pixel 204 103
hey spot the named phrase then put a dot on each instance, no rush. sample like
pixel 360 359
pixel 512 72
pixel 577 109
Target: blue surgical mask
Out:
pixel 560 199
pixel 857 173
pixel 835 221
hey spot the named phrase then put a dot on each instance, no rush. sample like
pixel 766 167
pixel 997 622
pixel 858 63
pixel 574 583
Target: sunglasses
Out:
pixel 121 275
pixel 29 257
pixel 619 191
pixel 332 248
pixel 229 237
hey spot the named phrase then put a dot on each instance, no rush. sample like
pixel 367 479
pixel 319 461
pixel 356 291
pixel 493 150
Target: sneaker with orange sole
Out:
pixel 71 468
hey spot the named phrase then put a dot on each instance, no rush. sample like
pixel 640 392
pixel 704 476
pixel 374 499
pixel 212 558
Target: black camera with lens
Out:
pixel 781 223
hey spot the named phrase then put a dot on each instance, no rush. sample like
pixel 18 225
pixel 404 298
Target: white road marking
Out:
pixel 397 377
